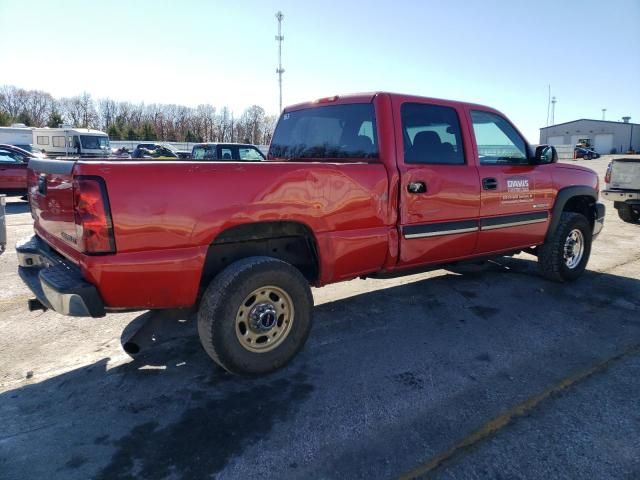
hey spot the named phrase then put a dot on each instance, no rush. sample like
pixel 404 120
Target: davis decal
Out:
pixel 517 191
pixel 519 184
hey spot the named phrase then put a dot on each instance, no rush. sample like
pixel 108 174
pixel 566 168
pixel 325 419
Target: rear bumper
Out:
pixel 598 223
pixel 55 282
pixel 626 196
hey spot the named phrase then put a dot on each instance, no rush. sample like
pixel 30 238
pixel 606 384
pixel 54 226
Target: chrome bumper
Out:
pixel 620 195
pixel 56 283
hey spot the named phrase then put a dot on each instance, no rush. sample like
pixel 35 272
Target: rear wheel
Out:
pixel 628 214
pixel 587 156
pixel 564 256
pixel 255 315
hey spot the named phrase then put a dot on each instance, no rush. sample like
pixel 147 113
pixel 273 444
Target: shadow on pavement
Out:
pixel 387 379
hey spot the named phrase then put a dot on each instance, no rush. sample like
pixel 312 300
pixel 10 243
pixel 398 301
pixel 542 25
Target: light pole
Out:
pixel 604 110
pixel 279 39
pixel 553 109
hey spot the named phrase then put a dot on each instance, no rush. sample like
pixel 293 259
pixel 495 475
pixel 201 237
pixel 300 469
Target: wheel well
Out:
pixel 291 242
pixel 583 204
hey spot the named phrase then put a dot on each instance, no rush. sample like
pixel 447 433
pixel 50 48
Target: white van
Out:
pixel 17 135
pixel 68 141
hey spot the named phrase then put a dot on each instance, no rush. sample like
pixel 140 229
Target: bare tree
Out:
pixel 167 122
pixel 108 110
pixel 11 100
pixel 39 106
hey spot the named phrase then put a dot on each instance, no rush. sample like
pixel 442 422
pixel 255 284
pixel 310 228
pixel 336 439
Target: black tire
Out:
pixel 224 297
pixel 551 254
pixel 587 156
pixel 627 214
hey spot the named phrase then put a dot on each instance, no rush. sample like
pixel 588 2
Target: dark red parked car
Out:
pixel 13 169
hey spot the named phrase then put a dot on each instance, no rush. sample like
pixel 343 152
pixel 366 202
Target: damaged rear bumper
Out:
pixel 56 283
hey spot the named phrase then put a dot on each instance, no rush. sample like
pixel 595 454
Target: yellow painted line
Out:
pixel 494 425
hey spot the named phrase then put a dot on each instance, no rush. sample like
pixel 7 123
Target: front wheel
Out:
pixel 564 255
pixel 587 156
pixel 255 315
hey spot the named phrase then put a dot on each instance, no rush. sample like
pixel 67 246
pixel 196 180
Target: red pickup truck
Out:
pixel 354 186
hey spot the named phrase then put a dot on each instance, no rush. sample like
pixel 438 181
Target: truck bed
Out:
pixel 184 206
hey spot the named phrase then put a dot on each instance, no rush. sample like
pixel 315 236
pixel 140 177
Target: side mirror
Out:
pixel 545 154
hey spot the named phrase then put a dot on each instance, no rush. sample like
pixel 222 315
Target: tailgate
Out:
pixel 625 174
pixel 50 184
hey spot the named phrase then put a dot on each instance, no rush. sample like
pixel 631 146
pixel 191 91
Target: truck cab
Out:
pixel 227 151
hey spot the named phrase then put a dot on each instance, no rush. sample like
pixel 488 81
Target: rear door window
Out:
pixel 226 154
pixel 204 152
pixel 250 154
pixel 328 132
pixel 431 134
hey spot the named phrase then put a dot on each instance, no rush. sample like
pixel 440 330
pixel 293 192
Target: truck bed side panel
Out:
pixel 169 213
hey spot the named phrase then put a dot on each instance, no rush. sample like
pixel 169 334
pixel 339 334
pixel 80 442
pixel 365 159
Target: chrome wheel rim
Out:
pixel 264 319
pixel 573 248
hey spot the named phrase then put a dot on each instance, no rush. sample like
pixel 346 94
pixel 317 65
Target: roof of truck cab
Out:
pixel 224 144
pixel 367 97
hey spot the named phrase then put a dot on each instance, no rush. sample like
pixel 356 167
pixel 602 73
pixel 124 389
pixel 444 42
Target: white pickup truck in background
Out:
pixel 623 188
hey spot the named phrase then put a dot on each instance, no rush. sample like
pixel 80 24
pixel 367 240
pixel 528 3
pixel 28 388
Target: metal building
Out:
pixel 602 135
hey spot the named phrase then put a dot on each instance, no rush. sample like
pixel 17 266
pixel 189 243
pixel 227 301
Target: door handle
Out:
pixel 417 187
pixel 489 183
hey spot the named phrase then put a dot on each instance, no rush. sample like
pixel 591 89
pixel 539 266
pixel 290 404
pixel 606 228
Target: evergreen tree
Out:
pixel 148 132
pixel 25 118
pixel 55 119
pixel 191 137
pixel 132 134
pixel 5 119
pixel 114 132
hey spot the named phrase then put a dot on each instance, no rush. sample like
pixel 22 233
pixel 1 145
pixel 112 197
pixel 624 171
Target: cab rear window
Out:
pixel 327 132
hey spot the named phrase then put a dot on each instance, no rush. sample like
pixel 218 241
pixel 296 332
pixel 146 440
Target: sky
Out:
pixel 499 53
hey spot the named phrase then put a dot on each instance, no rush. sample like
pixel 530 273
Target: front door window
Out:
pixel 497 141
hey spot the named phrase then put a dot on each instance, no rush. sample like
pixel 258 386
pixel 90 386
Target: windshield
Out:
pixel 330 132
pixel 168 146
pixel 94 142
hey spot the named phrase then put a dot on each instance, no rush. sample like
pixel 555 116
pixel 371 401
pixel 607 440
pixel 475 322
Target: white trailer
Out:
pixel 68 141
pixel 18 135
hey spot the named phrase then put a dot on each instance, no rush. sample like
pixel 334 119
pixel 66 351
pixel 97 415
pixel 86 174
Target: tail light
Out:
pixel 94 227
pixel 326 99
pixel 607 176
